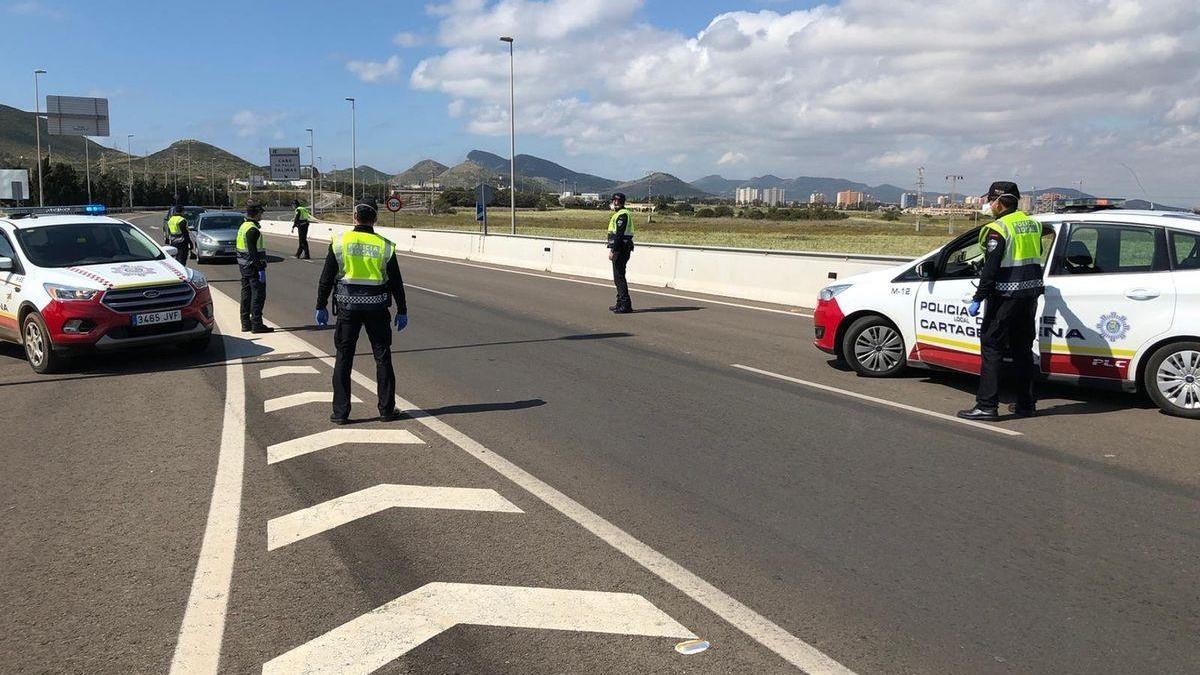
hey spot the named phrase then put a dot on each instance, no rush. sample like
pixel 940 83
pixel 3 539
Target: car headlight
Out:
pixel 830 292
pixel 205 239
pixel 197 279
pixel 70 293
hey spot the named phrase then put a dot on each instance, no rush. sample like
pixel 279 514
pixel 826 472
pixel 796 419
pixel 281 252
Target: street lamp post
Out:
pixel 320 178
pixel 953 184
pixel 37 131
pixel 512 135
pixel 129 164
pixel 353 145
pixel 312 171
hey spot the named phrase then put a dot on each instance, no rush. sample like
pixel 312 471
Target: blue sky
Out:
pixel 618 88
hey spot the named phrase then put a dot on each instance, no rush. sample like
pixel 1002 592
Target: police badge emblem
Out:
pixel 1113 326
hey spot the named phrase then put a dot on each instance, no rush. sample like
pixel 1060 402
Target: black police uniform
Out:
pixel 301 227
pixel 182 241
pixel 621 245
pixel 378 324
pixel 254 291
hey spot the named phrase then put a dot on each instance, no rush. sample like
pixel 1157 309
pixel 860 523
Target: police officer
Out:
pixel 300 224
pixel 1009 285
pixel 252 263
pixel 363 266
pixel 620 246
pixel 179 236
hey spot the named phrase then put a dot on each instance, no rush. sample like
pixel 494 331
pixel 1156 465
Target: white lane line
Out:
pixel 759 628
pixel 287 370
pixel 292 400
pixel 373 640
pixel 430 290
pixel 604 285
pixel 198 649
pixel 336 512
pixel 333 437
pixel 881 401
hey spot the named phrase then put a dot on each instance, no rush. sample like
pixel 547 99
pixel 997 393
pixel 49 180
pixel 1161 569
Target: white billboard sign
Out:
pixel 285 163
pixel 76 116
pixel 14 184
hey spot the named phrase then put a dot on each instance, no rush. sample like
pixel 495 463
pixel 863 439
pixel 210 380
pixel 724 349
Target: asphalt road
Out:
pixel 593 489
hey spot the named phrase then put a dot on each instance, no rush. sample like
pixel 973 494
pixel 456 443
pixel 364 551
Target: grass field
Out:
pixel 857 234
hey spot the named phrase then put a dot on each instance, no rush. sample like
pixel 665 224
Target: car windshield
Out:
pixel 86 244
pixel 211 223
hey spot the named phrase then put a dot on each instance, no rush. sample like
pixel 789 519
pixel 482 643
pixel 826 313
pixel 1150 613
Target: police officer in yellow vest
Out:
pixel 252 263
pixel 1010 283
pixel 300 223
pixel 178 235
pixel 620 246
pixel 363 266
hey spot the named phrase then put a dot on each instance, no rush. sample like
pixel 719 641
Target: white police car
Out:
pixel 1122 307
pixel 77 283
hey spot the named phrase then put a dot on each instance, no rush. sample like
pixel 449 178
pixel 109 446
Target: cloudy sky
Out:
pixel 1050 92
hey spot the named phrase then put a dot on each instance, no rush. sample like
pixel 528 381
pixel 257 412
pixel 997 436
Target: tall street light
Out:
pixel 512 136
pixel 353 145
pixel 129 164
pixel 37 131
pixel 312 170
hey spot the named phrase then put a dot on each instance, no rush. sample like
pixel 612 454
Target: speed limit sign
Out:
pixel 394 203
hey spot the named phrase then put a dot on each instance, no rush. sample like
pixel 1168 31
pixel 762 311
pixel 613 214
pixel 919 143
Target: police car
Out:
pixel 1121 308
pixel 71 284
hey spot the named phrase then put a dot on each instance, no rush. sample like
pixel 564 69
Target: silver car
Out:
pixel 215 235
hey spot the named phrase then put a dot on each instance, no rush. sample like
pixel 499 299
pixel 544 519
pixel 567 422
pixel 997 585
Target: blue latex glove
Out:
pixel 973 308
pixel 262 276
pixel 322 317
pixel 401 322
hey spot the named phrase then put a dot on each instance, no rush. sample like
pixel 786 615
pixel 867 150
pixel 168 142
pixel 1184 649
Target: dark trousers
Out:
pixel 302 231
pixel 620 260
pixel 1009 325
pixel 254 296
pixel 378 323
pixel 181 256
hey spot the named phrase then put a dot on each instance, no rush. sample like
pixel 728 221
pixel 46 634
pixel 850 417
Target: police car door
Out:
pixel 1109 293
pixel 10 287
pixel 946 335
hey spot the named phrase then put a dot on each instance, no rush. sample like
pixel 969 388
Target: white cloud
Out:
pixel 847 89
pixel 373 72
pixel 730 158
pixel 33 8
pixel 678 158
pixel 249 123
pixel 456 107
pixel 407 40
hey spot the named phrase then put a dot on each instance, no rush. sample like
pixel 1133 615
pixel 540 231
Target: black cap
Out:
pixel 619 196
pixel 366 209
pixel 1001 188
pixel 254 207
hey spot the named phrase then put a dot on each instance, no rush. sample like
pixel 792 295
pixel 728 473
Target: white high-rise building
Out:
pixel 816 198
pixel 773 196
pixel 747 195
pixel 908 200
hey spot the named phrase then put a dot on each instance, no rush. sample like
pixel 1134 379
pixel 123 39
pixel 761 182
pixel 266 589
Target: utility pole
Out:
pixel 353 145
pixel 175 173
pixel 189 182
pixel 512 135
pixel 312 171
pixel 87 168
pixel 920 194
pixel 129 164
pixel 953 185
pixel 37 132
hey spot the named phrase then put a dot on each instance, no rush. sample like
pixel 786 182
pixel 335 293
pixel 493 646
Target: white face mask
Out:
pixel 612 207
pixel 986 209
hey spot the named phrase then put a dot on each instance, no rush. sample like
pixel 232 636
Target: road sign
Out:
pixel 394 203
pixel 76 116
pixel 285 163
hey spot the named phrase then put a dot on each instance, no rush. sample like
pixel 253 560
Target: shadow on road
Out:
pixel 651 310
pixel 498 343
pixel 468 408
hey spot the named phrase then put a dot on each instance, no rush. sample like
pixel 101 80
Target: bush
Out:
pixel 891 215
pixel 755 214
pixel 723 211
pixel 706 212
pixel 684 208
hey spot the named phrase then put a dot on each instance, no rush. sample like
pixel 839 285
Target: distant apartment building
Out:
pixel 773 196
pixel 908 200
pixel 943 200
pixel 747 195
pixel 590 196
pixel 816 198
pixel 848 198
pixel 1025 203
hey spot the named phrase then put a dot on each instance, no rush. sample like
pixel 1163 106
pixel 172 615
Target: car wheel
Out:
pixel 1172 379
pixel 873 347
pixel 38 347
pixel 197 346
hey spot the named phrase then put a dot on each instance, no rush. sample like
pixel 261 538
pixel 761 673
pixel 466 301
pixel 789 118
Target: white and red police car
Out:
pixel 72 284
pixel 1121 308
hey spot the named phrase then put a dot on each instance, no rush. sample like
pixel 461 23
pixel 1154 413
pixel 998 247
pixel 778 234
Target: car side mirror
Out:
pixel 7 265
pixel 925 269
pixel 171 251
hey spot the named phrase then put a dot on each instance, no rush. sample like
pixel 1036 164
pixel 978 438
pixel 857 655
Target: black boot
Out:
pixel 261 328
pixel 1022 411
pixel 979 414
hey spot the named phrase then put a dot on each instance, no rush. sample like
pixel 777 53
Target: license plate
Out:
pixel 157 317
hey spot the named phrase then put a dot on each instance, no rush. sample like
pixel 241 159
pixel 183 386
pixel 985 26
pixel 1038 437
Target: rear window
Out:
pixel 1185 249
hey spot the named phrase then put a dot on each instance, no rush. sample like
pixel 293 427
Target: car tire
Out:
pixel 39 349
pixel 1172 379
pixel 196 346
pixel 874 347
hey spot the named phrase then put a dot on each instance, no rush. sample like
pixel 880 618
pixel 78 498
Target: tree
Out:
pixel 891 215
pixel 723 211
pixel 705 212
